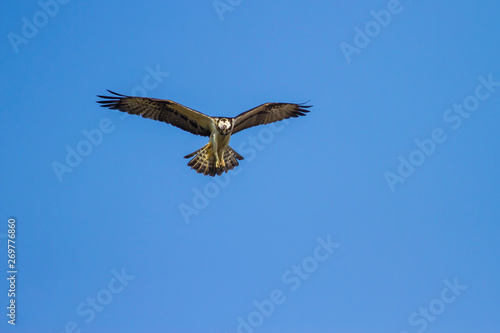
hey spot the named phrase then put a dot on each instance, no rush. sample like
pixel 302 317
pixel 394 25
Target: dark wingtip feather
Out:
pixel 111 101
pixel 111 98
pixel 302 107
pixel 117 94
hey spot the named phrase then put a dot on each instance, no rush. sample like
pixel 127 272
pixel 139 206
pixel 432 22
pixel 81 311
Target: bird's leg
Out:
pixel 218 145
pixel 220 160
pixel 215 150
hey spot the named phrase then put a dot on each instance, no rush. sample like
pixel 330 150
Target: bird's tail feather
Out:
pixel 204 160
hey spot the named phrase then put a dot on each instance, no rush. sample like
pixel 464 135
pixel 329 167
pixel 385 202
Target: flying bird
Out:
pixel 216 156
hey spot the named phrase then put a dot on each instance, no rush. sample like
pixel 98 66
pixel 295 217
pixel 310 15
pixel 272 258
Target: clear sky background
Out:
pixel 378 212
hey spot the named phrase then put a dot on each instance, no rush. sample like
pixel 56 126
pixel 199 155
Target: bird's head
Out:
pixel 224 126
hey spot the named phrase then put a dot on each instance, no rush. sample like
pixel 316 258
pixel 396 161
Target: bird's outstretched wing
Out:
pixel 268 113
pixel 162 110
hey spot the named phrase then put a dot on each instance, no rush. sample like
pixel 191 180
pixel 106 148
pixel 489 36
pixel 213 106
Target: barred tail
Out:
pixel 204 160
pixel 231 158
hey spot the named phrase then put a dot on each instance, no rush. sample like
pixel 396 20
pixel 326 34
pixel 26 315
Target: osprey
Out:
pixel 216 156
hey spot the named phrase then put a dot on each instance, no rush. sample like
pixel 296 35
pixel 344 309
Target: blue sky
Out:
pixel 378 212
